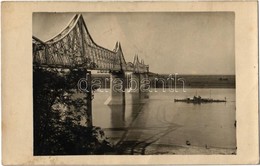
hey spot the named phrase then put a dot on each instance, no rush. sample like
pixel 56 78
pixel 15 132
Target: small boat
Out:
pixel 199 100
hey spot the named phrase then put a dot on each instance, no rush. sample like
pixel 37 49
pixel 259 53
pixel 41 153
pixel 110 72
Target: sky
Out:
pixel 169 42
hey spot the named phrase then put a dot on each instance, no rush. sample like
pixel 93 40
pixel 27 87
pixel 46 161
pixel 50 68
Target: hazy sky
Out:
pixel 170 42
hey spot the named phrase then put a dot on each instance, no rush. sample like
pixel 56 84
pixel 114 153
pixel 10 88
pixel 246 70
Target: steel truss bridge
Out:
pixel 74 48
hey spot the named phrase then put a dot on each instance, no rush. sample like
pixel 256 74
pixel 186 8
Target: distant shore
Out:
pixel 190 81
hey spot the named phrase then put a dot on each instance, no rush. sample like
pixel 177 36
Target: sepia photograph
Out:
pixel 139 83
pixel 134 83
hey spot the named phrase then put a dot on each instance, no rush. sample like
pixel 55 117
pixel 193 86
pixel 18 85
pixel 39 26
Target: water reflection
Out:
pixel 135 102
pixel 117 115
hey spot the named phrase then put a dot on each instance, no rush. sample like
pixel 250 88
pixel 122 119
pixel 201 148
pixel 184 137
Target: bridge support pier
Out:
pixel 117 88
pixel 138 88
pixel 138 82
pixel 143 82
pixel 89 99
pixel 134 83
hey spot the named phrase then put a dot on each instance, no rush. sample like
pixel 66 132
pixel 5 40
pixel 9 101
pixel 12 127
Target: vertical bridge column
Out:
pixel 134 83
pixel 138 88
pixel 143 82
pixel 117 88
pixel 147 83
pixel 89 99
pixel 138 82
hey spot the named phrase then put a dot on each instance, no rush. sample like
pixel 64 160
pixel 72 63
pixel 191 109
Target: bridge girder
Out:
pixel 74 47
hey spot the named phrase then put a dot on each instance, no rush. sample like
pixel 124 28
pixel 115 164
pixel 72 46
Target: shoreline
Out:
pixel 157 149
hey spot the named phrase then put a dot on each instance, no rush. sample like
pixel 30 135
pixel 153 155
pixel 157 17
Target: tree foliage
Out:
pixel 60 119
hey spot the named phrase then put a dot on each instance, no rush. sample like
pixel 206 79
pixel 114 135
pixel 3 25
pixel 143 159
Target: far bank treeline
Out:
pixel 190 81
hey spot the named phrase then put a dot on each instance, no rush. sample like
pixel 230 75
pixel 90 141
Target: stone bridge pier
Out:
pixel 117 88
pixel 138 88
pixel 119 82
pixel 138 82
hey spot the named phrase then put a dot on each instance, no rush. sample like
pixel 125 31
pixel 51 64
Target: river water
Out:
pixel 154 124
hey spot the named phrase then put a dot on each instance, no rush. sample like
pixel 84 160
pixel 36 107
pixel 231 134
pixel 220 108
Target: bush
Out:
pixel 60 118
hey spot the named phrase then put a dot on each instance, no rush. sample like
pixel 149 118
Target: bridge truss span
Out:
pixel 74 47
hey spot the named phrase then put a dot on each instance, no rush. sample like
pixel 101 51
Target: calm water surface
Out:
pixel 154 120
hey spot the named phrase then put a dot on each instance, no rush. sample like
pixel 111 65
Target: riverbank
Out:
pixel 156 149
pixel 144 148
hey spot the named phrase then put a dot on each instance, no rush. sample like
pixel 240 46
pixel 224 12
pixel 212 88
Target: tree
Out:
pixel 59 112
